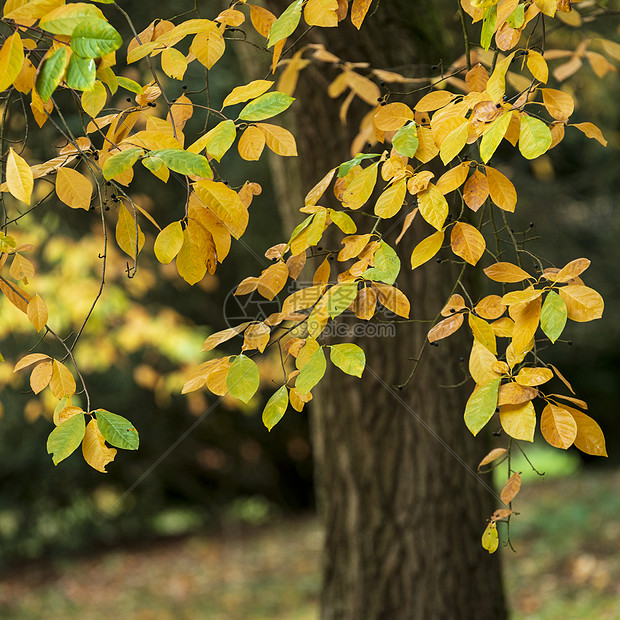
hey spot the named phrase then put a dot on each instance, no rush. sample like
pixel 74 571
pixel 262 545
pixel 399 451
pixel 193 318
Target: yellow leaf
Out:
pixel 558 103
pixel 173 63
pixel 467 242
pixel 40 376
pixel 19 177
pixel 94 100
pixel 37 312
pixel 501 190
pixel 481 362
pixel 256 336
pixel 426 249
pixel 360 187
pixel 571 270
pixel 393 299
pixel 391 200
pixel 21 268
pixel 322 13
pixel 433 206
pixel 24 82
pixel 582 303
pixel 521 297
pixel 321 275
pixel 591 131
pixel 476 190
pixel 590 438
pixel 278 139
pixel 518 421
pixel 526 317
pixel 241 94
pixel 493 455
pixel 445 328
pixel 73 188
pixel 169 243
pixel 272 280
pixel 358 12
pixel 453 179
pixel 251 143
pixel 29 360
pixel 483 333
pixel 506 272
pixel 302 299
pixel 261 20
pixel 537 66
pixel 11 60
pixel 511 488
pixel 512 393
pixel 496 85
pixel 18 297
pixel 490 538
pixel 558 426
pixel 433 101
pixel 62 382
pixel 504 327
pixel 94 449
pixel 392 116
pixel 208 46
pixel 129 235
pixel 548 7
pixel 318 190
pixel 225 204
pixel 453 143
pixel 427 149
pixel 190 260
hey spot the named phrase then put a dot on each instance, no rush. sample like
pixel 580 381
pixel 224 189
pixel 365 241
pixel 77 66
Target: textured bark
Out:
pixel 403 517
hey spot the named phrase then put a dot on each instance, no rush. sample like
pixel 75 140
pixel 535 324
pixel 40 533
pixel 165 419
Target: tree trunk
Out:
pixel 403 515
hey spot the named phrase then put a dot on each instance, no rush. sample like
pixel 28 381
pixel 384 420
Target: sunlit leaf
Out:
pixel 558 426
pixel 66 438
pixel 312 372
pixel 518 421
pixel 511 488
pixel 467 242
pixel 116 430
pixel 243 378
pixel 349 358
pixel 73 188
pixel 534 137
pixel 582 303
pixel 426 249
pixel 11 60
pixel 94 38
pixel 490 538
pixel 275 408
pixel 19 178
pixel 481 406
pixel 94 450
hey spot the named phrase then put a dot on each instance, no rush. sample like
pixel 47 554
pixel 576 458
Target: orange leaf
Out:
pixel 558 426
pixel 392 116
pixel 511 488
pixel 506 272
pixel 393 299
pixel 492 456
pixel 445 328
pixel 490 307
pixel 582 303
pixel 62 382
pixel 590 438
pixel 467 242
pixel 455 303
pixel 37 312
pixel 501 190
pixel 476 190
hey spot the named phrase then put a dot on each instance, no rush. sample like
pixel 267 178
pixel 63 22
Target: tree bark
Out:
pixel 403 516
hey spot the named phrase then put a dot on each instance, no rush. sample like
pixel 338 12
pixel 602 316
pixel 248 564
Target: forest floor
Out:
pixel 566 566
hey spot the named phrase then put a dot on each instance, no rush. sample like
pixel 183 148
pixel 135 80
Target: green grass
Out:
pixel 567 538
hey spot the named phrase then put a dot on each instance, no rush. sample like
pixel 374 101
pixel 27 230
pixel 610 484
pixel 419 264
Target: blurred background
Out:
pixel 222 525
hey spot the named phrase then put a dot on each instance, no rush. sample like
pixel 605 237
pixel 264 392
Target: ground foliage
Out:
pixel 61 57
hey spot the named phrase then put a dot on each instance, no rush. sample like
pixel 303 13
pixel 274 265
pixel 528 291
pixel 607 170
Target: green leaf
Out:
pixel 94 38
pixel 481 406
pixel 184 162
pixel 340 297
pixel 405 140
pixel 67 17
pixel 349 358
pixel 66 438
pixel 220 139
pixel 51 73
pixel 517 17
pixel 493 136
pixel 343 221
pixel 312 372
pixel 81 73
pixel 243 378
pixel 534 137
pixel 116 430
pixel 488 26
pixel 286 23
pixel 553 316
pixel 275 408
pixel 130 85
pixel 347 166
pixel 108 77
pixel 490 539
pixel 121 162
pixel 387 265
pixel 266 106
